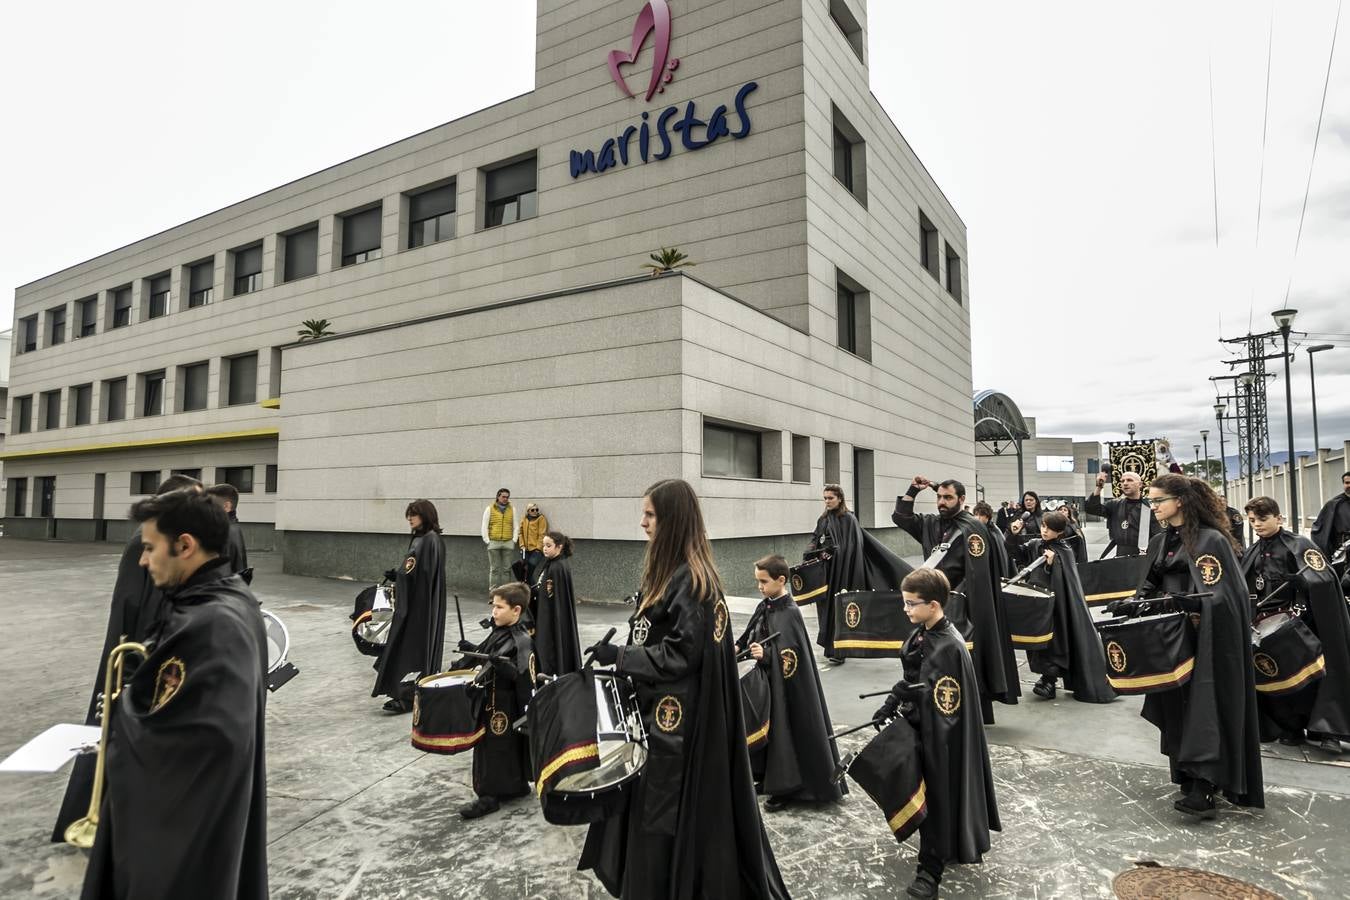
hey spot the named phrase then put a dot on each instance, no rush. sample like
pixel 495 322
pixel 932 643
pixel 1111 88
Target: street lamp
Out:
pixel 1312 377
pixel 1204 436
pixel 1284 319
pixel 1130 429
pixel 1219 407
pixel 1197 456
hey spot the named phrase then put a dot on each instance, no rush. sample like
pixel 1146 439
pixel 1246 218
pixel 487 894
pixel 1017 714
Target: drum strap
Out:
pixel 1145 526
pixel 937 556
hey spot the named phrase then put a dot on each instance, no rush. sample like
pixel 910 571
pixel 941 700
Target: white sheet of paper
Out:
pixel 52 749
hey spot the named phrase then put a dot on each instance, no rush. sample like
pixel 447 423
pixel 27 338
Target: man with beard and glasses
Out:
pixel 959 546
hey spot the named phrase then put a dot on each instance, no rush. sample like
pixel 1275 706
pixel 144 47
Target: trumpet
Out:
pixel 80 833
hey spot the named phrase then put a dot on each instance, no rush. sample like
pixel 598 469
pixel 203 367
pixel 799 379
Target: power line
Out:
pixel 1313 162
pixel 1213 155
pixel 1261 181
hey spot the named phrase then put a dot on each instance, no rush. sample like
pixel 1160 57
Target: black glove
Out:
pixel 886 711
pixel 466 646
pixel 605 654
pixel 905 691
pixel 485 623
pixel 1187 604
pixel 390 575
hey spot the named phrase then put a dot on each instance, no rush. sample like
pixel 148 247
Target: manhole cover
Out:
pixel 1172 883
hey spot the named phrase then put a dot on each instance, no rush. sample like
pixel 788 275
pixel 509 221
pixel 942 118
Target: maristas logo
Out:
pixel 654 21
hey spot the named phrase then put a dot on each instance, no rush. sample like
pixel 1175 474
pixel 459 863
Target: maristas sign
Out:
pixel 654 21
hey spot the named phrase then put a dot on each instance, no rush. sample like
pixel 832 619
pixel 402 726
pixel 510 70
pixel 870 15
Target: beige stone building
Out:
pixel 492 326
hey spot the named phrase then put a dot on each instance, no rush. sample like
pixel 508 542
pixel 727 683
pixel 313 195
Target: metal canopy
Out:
pixel 1000 426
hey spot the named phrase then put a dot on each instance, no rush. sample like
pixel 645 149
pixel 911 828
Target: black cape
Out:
pixel 185 813
pixel 1075 652
pixel 236 552
pixel 134 612
pixel 973 568
pixel 1332 525
pixel 417 632
pixel 958 781
pixel 1209 727
pixel 553 607
pixel 858 562
pixel 1123 518
pixel 501 759
pixel 691 826
pixel 1323 706
pixel 800 758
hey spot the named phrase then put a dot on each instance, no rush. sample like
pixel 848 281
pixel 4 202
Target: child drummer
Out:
pixel 501 763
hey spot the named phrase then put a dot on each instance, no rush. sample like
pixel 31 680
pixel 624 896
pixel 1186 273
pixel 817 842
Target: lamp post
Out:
pixel 1312 377
pixel 1219 407
pixel 1130 429
pixel 1284 318
pixel 1204 437
pixel 1197 457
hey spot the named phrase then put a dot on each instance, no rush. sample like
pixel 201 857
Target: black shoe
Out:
pixel 1197 805
pixel 1045 688
pixel 923 885
pixel 480 807
pixel 1330 745
pixel 836 660
pixel 397 706
pixel 776 804
pixel 1292 739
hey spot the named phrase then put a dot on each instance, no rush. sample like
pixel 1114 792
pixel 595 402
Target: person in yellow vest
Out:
pixel 531 537
pixel 499 534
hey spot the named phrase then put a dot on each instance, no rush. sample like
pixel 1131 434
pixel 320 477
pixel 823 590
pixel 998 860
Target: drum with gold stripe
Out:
pixel 890 771
pixel 444 720
pixel 809 581
pixel 1116 578
pixel 1287 656
pixel 1148 654
pixel 870 624
pixel 1030 612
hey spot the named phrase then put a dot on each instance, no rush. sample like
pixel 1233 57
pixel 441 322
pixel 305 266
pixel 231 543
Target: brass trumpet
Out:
pixel 80 833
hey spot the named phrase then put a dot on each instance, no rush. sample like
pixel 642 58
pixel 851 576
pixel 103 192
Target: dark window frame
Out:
pixel 290 247
pixel 502 207
pixel 157 301
pixel 27 338
pixel 952 261
pixel 928 247
pixel 88 323
pixel 114 412
pixel 144 482
pixel 740 436
pixel 230 379
pixel 354 255
pixel 204 368
pixel 56 325
pixel 152 393
pixel 121 312
pixel 50 402
pixel 270 479
pixel 82 413
pixel 18 498
pixel 198 295
pixel 441 224
pixel 23 414
pixel 230 475
pixel 848 25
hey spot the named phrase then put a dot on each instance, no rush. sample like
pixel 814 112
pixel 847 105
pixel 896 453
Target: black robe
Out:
pixel 1075 652
pixel 501 758
pixel 1123 518
pixel 1331 528
pixel 417 632
pixel 1209 727
pixel 553 608
pixel 691 827
pixel 858 562
pixel 800 758
pixel 236 552
pixel 973 568
pixel 958 781
pixel 185 813
pixel 1322 707
pixel 135 610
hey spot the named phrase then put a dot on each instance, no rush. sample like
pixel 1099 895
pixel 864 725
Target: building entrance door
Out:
pixel 100 524
pixel 46 491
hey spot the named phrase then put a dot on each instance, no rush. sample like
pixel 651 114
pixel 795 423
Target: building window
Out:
pixel 23 414
pixel 853 310
pixel 928 245
pixel 201 283
pixel 28 332
pixel 1054 464
pixel 271 483
pixel 801 459
pixel 144 482
pixel 87 313
pixel 1093 466
pixel 850 156
pixel 242 379
pixel 301 249
pixel 121 307
pixel 248 270
pixel 56 326
pixel 239 476
pixel 194 381
pixel 51 409
pixel 82 404
pixel 729 451
pixel 953 271
pixel 18 497
pixel 431 216
pixel 152 393
pixel 864 481
pixel 831 462
pixel 190 473
pixel 512 193
pixel 361 236
pixel 114 400
pixel 159 296
pixel 848 24
pixel 46 496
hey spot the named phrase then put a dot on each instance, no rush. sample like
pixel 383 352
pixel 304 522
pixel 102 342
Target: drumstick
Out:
pixel 848 731
pixel 1274 593
pixel 487 656
pixel 874 694
pixel 745 654
pixel 590 651
pixel 1036 564
pixel 460 616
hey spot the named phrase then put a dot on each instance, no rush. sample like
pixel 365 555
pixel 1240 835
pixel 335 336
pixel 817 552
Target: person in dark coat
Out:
pixel 185 810
pixel 690 827
pixel 134 611
pixel 1286 572
pixel 1075 652
pixel 800 758
pixel 1209 727
pixel 553 608
pixel 1331 528
pixel 937 697
pixel 1130 523
pixel 227 496
pixel 417 632
pixel 857 560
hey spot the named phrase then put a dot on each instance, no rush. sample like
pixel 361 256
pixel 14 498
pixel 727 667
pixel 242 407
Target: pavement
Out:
pixel 355 812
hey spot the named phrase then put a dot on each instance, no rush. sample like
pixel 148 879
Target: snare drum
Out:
pixel 279 669
pixel 371 621
pixel 443 719
pixel 1148 654
pixel 810 581
pixel 587 745
pixel 756 704
pixel 890 771
pixel 870 624
pixel 1030 612
pixel 1287 656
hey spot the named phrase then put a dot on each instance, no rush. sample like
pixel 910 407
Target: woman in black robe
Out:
pixel 553 608
pixel 690 827
pixel 417 631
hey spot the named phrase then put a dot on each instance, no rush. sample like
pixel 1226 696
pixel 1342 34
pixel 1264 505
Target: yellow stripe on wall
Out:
pixel 175 441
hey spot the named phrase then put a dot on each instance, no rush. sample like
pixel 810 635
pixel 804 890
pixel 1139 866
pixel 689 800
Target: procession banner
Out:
pixel 1139 457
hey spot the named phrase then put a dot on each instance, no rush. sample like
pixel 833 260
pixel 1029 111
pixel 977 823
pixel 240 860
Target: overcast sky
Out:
pixel 1074 139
